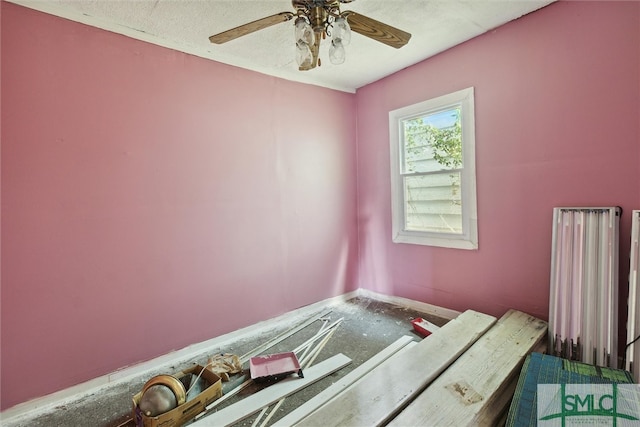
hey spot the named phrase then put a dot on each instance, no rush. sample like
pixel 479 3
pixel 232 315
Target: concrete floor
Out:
pixel 368 327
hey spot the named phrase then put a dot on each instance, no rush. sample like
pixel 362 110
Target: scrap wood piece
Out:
pixel 382 393
pixel 324 330
pixel 282 336
pixel 252 404
pixel 503 398
pixel 477 388
pixel 343 383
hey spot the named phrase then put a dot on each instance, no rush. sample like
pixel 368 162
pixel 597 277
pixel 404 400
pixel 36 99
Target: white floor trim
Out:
pixel 423 307
pixel 45 403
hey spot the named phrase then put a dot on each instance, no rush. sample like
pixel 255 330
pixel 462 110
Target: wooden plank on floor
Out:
pixel 502 399
pixel 474 390
pixel 383 392
pixel 265 397
pixel 343 383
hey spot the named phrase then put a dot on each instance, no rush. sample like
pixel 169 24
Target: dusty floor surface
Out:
pixel 368 326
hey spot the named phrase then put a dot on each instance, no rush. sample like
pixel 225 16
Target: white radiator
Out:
pixel 583 300
pixel 632 351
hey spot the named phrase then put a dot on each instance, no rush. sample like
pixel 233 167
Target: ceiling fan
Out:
pixel 316 20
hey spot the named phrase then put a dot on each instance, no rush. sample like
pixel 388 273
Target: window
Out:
pixel 433 187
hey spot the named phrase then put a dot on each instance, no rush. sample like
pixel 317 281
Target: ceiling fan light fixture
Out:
pixel 316 20
pixel 337 54
pixel 303 31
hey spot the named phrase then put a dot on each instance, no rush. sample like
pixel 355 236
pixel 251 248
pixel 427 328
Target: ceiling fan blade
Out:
pixel 376 30
pixel 251 27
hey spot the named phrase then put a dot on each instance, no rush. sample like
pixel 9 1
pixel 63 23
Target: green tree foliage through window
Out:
pixel 445 143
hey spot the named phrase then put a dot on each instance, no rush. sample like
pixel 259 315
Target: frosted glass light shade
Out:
pixel 304 57
pixel 342 31
pixel 337 53
pixel 304 32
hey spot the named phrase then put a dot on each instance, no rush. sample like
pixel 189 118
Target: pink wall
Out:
pixel 152 199
pixel 557 112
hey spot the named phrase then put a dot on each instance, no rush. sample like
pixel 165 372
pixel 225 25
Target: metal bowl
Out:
pixel 161 394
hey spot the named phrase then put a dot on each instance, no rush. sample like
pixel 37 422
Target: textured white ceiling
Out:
pixel 185 25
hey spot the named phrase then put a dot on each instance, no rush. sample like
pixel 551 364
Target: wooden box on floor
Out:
pixel 188 410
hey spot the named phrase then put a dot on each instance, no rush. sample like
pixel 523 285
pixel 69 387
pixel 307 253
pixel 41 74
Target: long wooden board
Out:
pixel 343 383
pixel 383 392
pixel 473 391
pixel 252 404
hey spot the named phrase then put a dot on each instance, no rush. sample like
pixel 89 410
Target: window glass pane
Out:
pixel 433 203
pixel 432 142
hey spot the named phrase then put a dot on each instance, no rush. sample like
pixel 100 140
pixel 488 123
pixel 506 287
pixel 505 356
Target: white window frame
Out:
pixel 469 238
